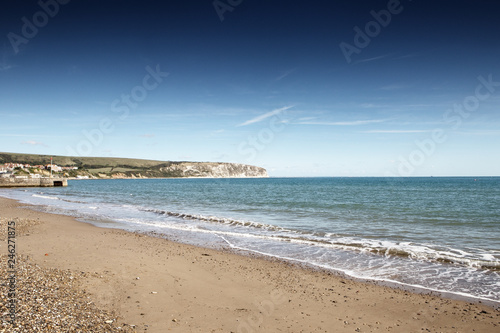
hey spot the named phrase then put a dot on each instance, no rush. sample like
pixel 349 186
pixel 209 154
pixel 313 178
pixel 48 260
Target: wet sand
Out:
pixel 134 282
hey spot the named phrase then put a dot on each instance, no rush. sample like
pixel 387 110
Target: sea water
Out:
pixel 440 234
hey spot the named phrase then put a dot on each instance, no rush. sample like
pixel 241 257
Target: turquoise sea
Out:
pixel 440 234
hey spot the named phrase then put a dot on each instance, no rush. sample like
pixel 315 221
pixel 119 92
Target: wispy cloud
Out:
pixel 5 67
pixel 394 106
pixel 480 133
pixel 32 135
pixel 373 105
pixel 392 87
pixel 240 90
pixel 373 59
pixel 285 74
pixel 34 143
pixel 406 56
pixel 216 133
pixel 148 135
pixel 4 63
pixel 396 131
pixel 13 135
pixel 264 116
pixel 343 123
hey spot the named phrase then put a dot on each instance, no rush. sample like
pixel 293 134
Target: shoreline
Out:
pixel 187 288
pixel 300 264
pixel 414 288
pixel 190 177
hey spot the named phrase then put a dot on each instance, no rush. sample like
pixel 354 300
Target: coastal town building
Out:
pixel 26 175
pixel 30 171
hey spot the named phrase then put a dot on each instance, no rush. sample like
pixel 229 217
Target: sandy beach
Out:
pixel 113 280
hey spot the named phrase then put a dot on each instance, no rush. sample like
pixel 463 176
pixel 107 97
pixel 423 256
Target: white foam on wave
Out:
pixel 45 197
pixel 273 241
pixel 477 258
pixel 367 277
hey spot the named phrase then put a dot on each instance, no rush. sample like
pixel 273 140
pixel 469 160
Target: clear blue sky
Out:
pixel 316 88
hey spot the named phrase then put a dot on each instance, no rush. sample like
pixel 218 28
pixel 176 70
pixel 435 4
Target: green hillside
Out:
pixel 81 162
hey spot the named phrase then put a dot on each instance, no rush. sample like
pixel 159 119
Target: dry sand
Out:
pixel 151 284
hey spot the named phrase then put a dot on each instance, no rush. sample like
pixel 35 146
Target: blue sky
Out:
pixel 292 86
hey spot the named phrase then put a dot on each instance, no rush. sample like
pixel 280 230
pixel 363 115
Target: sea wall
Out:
pixel 33 182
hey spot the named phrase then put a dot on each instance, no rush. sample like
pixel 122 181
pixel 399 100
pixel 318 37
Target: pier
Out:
pixel 33 182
